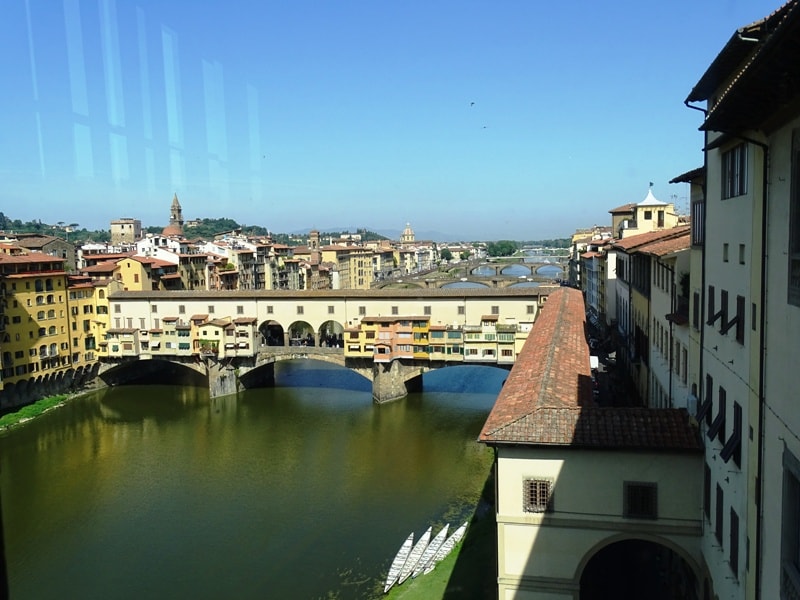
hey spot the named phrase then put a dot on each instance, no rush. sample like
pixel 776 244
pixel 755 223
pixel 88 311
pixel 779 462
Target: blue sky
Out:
pixel 488 120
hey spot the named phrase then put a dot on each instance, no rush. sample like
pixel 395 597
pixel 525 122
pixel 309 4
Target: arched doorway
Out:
pixel 271 333
pixel 631 569
pixel 331 335
pixel 301 333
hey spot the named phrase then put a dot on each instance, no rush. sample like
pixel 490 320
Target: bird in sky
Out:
pixel 472 104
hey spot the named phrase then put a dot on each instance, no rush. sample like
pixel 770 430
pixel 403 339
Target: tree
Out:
pixel 446 255
pixel 501 248
pixel 464 255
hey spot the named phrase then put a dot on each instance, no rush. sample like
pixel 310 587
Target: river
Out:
pixel 304 490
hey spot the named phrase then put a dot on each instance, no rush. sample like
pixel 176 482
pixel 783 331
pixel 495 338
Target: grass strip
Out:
pixel 30 411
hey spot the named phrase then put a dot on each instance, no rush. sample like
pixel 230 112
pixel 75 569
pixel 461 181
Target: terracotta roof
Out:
pixel 103 267
pixel 635 242
pixel 689 176
pixel 625 208
pixel 664 247
pixel 245 320
pixel 547 398
pixel 756 88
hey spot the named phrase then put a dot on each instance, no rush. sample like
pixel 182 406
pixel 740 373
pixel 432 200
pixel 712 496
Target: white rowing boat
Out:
pixel 398 562
pixel 446 547
pixel 414 556
pixel 430 551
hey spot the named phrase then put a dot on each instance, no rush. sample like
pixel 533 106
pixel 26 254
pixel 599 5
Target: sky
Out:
pixel 482 120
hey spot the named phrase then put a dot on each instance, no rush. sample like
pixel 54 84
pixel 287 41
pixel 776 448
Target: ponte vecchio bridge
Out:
pixel 233 339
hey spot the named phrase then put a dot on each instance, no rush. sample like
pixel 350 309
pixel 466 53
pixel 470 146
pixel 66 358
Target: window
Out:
pixel 648 215
pixel 725 252
pixel 495 310
pixel 790 527
pixel 426 310
pixel 530 309
pixel 211 309
pixel 269 309
pixel 395 310
pixel 733 547
pixel 734 172
pixel 330 309
pixel 794 223
pixel 696 311
pixel 461 310
pixel 536 495
pixel 707 491
pixel 181 309
pixel 299 310
pixel 117 308
pixel 718 515
pixel 740 319
pixel 733 447
pixel 239 309
pixel 640 500
pixel 135 278
pixel 717 428
pixel 362 311
pixel 741 254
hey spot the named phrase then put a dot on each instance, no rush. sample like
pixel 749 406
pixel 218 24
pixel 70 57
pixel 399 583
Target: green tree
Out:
pixel 445 254
pixel 501 248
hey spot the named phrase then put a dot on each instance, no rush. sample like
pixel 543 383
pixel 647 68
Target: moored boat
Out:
pixel 430 551
pixel 414 556
pixel 446 547
pixel 398 562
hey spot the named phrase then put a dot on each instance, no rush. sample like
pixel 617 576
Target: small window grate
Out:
pixel 537 496
pixel 641 500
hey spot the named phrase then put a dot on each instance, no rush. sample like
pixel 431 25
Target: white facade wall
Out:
pixel 549 550
pixel 781 461
pixel 730 369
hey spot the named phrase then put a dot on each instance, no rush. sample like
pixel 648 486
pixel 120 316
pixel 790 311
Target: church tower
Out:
pixel 407 237
pixel 175 227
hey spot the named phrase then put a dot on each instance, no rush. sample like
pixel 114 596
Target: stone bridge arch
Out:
pixel 154 371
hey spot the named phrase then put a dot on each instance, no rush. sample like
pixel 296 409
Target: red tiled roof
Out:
pixel 664 247
pixel 625 208
pixel 547 398
pixel 635 242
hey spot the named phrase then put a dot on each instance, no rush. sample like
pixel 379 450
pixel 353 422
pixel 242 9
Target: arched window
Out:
pixel 42 332
pixel 39 300
pixel 42 350
pixel 40 315
pixel 101 294
pixel 38 285
pixel 52 330
pixel 50 299
pixel 48 285
pixel 51 314
pixel 53 349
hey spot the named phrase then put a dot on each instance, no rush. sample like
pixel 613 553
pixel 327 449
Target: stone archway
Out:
pixel 331 334
pixel 301 333
pixel 272 333
pixel 630 568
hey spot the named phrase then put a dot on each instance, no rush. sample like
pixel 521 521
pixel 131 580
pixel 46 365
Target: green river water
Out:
pixel 300 491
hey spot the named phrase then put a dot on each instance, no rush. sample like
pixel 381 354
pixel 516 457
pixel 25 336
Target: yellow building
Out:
pixel 35 326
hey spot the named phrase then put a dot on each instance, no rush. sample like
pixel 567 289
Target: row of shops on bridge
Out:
pixel 383 339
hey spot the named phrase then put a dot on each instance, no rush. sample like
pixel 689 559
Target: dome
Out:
pixel 172 230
